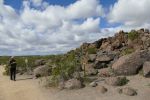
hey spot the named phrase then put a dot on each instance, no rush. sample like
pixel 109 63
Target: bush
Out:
pixel 91 50
pixel 133 35
pixel 123 81
pixel 64 68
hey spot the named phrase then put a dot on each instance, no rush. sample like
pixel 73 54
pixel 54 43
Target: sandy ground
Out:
pixel 30 89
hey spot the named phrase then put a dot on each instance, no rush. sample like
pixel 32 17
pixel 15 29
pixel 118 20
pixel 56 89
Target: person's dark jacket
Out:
pixel 12 63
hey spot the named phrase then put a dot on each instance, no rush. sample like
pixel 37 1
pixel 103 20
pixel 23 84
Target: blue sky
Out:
pixel 41 27
pixel 17 4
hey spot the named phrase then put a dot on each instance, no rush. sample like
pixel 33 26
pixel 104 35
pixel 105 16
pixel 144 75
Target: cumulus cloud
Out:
pixel 54 29
pixel 130 12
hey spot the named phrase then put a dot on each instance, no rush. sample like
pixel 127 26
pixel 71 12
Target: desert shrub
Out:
pixel 123 81
pixel 91 50
pixel 6 72
pixel 65 67
pixel 133 35
pixel 127 51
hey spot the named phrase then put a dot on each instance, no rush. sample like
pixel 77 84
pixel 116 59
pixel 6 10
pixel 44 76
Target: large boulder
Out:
pixel 73 84
pixel 146 69
pixel 42 71
pixel 39 62
pixel 130 64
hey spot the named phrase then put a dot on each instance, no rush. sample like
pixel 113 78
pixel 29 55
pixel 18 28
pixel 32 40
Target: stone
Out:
pixel 130 64
pixel 89 69
pixel 39 62
pixel 101 89
pixel 91 57
pixel 93 84
pixel 103 58
pixel 104 72
pixel 146 69
pixel 42 71
pixel 129 91
pixel 73 84
pixel 92 71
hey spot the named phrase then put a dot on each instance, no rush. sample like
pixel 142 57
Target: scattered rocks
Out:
pixel 146 69
pixel 116 81
pixel 73 84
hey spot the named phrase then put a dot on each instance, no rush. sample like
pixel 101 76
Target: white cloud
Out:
pixel 37 2
pixel 55 29
pixel 130 12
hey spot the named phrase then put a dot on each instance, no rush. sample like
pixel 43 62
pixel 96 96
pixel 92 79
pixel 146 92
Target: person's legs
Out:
pixel 11 74
pixel 14 74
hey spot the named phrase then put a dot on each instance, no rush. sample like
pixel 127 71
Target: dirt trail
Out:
pixel 24 88
pixel 29 89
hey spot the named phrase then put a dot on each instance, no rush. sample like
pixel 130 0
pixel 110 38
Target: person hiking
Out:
pixel 12 64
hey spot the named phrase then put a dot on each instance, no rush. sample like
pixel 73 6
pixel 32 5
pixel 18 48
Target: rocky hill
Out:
pixel 123 54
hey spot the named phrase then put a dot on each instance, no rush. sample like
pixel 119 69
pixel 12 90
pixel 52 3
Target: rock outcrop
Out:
pixel 131 64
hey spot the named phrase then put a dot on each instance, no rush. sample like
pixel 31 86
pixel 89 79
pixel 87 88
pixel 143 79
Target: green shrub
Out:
pixel 133 35
pixel 65 67
pixel 127 51
pixel 123 81
pixel 91 50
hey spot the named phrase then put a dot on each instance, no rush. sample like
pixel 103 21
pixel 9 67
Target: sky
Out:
pixel 43 27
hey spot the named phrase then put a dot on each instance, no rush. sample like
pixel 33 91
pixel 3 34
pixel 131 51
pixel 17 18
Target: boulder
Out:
pixel 42 71
pixel 116 81
pixel 73 84
pixel 129 91
pixel 99 65
pixel 130 64
pixel 93 84
pixel 91 57
pixel 103 56
pixel 92 71
pixel 101 89
pixel 89 69
pixel 104 72
pixel 39 62
pixel 146 69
